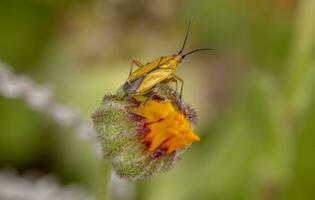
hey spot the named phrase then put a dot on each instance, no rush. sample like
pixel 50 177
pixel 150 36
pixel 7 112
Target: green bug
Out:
pixel 144 79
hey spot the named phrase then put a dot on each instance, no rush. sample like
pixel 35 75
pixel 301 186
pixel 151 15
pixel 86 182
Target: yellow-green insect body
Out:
pixel 144 79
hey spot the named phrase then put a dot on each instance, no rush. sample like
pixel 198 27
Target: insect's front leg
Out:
pixel 136 62
pixel 177 78
pixel 175 81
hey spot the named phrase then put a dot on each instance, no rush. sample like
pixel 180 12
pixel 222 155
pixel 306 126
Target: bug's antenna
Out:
pixel 186 36
pixel 205 49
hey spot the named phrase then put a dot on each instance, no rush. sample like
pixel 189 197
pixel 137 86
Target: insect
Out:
pixel 144 79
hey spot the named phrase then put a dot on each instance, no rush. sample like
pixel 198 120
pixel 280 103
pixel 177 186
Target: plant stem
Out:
pixel 103 181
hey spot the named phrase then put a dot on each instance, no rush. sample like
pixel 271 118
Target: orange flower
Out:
pixel 169 129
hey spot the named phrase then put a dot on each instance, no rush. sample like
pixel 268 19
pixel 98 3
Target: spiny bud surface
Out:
pixel 144 135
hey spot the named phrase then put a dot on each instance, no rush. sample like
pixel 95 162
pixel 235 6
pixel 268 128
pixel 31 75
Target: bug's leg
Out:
pixel 176 83
pixel 160 61
pixel 177 78
pixel 136 62
pixel 146 101
pixel 149 95
pixel 124 96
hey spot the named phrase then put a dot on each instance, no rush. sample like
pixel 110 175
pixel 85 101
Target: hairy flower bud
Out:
pixel 144 135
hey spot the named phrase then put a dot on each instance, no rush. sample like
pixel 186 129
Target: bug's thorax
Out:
pixel 171 62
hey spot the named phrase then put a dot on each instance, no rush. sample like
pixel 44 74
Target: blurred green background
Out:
pixel 254 94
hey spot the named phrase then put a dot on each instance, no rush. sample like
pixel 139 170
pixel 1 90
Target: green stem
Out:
pixel 300 64
pixel 103 181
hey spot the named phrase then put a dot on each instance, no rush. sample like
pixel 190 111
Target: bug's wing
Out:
pixel 153 78
pixel 132 86
pixel 146 69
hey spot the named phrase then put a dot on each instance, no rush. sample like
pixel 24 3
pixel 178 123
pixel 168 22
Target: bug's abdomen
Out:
pixel 131 86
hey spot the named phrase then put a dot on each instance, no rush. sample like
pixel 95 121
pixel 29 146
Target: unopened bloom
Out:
pixel 145 135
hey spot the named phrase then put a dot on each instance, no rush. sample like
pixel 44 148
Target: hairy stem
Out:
pixel 103 182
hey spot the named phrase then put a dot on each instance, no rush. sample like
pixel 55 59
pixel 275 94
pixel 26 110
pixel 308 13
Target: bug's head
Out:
pixel 178 58
pixel 180 55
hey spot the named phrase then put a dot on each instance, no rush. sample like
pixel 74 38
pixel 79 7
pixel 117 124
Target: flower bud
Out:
pixel 144 135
